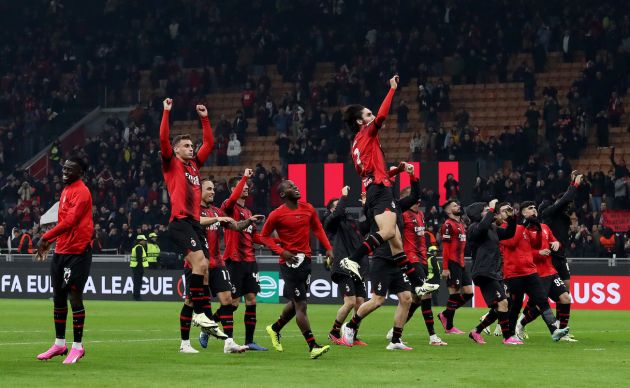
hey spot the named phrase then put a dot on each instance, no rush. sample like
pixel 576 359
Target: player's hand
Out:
pixel 574 174
pixel 328 262
pixel 257 218
pixel 329 254
pixel 248 172
pixel 345 190
pixel 509 211
pixel 446 274
pixel 393 82
pixel 288 257
pixel 493 204
pixel 409 168
pixel 578 179
pixel 544 252
pixel 42 250
pixel 168 103
pixel 201 110
pixel 362 199
pixel 555 246
pixel 227 220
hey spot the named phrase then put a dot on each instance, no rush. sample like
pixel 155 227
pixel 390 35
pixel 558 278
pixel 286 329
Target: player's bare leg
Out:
pixel 288 312
pixel 349 331
pixel 400 318
pixel 349 302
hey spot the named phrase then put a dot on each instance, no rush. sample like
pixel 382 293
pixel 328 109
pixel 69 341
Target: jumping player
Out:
pixel 71 261
pixel 240 257
pixel 180 167
pixel 415 244
pixel 369 162
pixel 293 222
pixel 460 289
pixel 387 278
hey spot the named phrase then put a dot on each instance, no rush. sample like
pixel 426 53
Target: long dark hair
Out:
pixel 351 115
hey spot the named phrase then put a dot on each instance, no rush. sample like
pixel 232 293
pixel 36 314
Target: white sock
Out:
pixel 60 341
pixel 77 345
pixel 185 343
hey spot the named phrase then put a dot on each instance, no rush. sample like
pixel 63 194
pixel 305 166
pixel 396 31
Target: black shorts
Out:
pixel 460 276
pixel 296 280
pixel 554 286
pixel 68 271
pixel 219 281
pixel 420 269
pixel 530 285
pixel 379 199
pixel 188 236
pixel 244 277
pixel 350 286
pixel 187 273
pixel 492 290
pixel 562 266
pixel 387 278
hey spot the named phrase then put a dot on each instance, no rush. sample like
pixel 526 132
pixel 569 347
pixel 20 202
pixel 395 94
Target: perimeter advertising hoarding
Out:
pixel 593 286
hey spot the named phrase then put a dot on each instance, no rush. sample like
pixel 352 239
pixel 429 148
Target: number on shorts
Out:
pixel 559 282
pixel 226 275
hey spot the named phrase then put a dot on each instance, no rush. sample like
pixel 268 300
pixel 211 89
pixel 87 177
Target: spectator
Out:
pixel 402 116
pixel 234 151
pixel 240 124
pixel 248 98
pixel 452 187
pixel 601 121
pixel 615 109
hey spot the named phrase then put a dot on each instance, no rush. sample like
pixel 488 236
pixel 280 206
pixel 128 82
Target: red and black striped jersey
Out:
pixel 182 178
pixel 414 241
pixel 453 236
pixel 239 245
pixel 213 235
pixel 366 151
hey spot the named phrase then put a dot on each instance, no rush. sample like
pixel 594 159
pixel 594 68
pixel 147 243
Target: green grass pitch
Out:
pixel 136 344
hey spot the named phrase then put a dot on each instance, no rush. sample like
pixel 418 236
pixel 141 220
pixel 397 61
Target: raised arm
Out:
pixel 560 205
pixel 228 205
pixel 208 138
pixel 509 230
pixel 331 222
pixel 410 200
pixel 385 106
pixel 165 141
pixel 478 228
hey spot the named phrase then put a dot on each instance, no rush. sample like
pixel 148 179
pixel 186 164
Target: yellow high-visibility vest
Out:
pixel 133 263
pixel 153 252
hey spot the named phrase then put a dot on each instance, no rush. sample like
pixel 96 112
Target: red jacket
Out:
pixel 75 227
pixel 539 241
pixel 518 259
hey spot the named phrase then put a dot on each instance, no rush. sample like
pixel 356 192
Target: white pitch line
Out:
pixel 85 331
